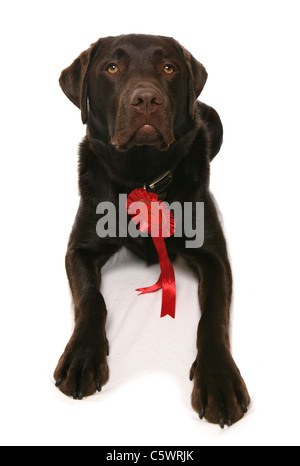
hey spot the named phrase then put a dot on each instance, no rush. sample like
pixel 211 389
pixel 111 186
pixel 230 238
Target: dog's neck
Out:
pixel 160 184
pixel 136 168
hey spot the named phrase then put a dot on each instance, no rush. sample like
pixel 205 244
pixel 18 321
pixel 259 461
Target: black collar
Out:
pixel 160 184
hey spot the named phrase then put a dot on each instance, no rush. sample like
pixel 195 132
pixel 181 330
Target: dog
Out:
pixel 145 128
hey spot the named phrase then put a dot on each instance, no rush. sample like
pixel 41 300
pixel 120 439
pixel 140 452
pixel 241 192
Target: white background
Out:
pixel 251 52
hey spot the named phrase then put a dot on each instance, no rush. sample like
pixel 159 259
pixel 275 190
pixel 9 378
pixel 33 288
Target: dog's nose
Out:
pixel 146 99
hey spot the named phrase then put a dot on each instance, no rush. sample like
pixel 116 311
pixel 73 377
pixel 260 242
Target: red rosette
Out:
pixel 153 215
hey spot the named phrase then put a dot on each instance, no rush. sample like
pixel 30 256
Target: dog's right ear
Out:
pixel 197 78
pixel 73 80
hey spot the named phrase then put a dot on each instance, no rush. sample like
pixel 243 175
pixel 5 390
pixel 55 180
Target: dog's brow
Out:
pixel 119 53
pixel 162 54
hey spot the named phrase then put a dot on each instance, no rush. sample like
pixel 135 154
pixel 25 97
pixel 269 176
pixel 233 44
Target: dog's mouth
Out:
pixel 145 135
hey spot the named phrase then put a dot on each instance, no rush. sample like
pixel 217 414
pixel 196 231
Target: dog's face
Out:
pixel 135 90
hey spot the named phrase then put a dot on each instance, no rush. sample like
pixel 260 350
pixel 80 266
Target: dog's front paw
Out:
pixel 220 394
pixel 82 369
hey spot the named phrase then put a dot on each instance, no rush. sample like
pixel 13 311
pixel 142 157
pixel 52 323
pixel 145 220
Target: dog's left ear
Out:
pixel 197 78
pixel 73 80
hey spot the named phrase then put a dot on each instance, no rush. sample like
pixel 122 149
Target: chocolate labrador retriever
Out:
pixel 137 95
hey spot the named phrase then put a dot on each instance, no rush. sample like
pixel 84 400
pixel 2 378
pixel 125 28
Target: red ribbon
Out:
pixel 154 216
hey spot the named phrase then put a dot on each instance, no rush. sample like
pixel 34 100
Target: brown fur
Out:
pixel 120 153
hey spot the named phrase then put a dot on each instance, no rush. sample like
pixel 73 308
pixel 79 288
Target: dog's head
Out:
pixel 135 90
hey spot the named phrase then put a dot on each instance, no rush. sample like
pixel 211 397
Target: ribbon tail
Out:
pixel 168 296
pixel 150 289
pixel 168 279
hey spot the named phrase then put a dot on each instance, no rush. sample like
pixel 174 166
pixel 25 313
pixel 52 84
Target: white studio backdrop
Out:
pixel 250 50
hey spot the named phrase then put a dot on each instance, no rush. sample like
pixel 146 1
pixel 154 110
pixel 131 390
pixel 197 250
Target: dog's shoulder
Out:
pixel 94 178
pixel 210 120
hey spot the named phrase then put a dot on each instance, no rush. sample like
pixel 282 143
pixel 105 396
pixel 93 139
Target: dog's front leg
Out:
pixel 220 394
pixel 82 369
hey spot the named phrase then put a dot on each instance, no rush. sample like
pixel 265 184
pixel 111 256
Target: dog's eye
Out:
pixel 112 68
pixel 168 69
